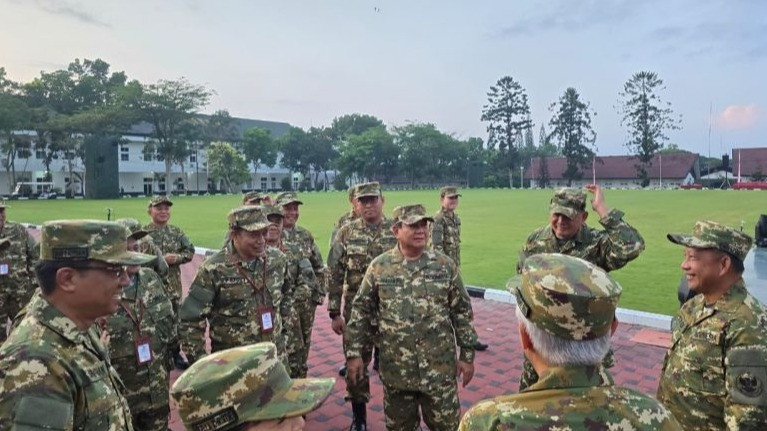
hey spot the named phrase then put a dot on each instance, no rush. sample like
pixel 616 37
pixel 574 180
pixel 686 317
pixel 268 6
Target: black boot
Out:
pixel 359 423
pixel 342 371
pixel 480 347
pixel 376 359
pixel 178 361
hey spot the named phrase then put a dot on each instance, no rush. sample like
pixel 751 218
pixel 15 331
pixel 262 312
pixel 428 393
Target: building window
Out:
pixel 124 153
pixel 39 154
pixel 193 158
pixel 274 183
pixel 263 184
pixel 148 155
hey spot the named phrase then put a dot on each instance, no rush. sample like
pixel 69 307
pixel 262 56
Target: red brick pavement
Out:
pixel 497 370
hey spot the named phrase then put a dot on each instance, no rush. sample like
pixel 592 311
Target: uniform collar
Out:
pixel 582 237
pixel 575 376
pixel 55 320
pixel 398 258
pixel 733 298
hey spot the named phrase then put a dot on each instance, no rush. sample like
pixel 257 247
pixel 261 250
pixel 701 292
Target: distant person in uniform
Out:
pixel 715 373
pixel 256 198
pixel 446 231
pixel 17 263
pixel 246 389
pixel 56 372
pixel 351 215
pixel 567 233
pixel 176 249
pixel 566 315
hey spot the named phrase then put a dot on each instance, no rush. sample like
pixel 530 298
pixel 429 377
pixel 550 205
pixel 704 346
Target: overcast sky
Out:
pixel 306 62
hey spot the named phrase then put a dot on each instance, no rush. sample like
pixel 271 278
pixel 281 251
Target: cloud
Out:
pixel 738 117
pixel 66 9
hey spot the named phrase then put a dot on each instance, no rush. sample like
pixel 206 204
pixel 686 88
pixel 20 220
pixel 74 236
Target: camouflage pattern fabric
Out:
pixel 244 384
pixel 56 376
pixel 79 240
pixel 367 189
pixel 573 398
pixel 710 234
pixel 146 386
pixel 446 234
pixel 146 245
pixel 17 277
pixel 609 249
pixel 347 217
pixel 715 372
pixel 301 237
pixel 356 245
pixel 416 312
pixel 220 297
pixel 438 403
pixel 569 201
pixel 171 239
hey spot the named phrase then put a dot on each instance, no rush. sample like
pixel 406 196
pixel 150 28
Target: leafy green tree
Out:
pixel 507 114
pixel 295 147
pixel 353 124
pixel 227 164
pixel 369 155
pixel 14 115
pixel 571 129
pixel 543 172
pixel 647 118
pixel 322 153
pixel 259 148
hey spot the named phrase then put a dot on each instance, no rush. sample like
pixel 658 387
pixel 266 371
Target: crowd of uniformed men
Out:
pixel 96 322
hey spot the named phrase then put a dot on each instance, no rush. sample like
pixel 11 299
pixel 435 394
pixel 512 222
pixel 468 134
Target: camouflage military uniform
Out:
pixel 171 239
pixel 345 218
pixel 356 245
pixel 242 386
pixel 715 372
pixel 570 300
pixel 446 229
pixel 231 296
pixel 609 249
pixel 56 374
pixel 418 311
pixel 17 279
pixel 146 386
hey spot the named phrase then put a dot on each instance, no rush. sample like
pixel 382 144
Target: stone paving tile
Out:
pixel 497 370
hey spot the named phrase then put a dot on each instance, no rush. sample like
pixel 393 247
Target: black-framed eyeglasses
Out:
pixel 116 271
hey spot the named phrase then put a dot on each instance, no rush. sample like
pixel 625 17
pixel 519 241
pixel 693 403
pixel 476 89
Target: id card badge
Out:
pixel 267 319
pixel 5 268
pixel 143 350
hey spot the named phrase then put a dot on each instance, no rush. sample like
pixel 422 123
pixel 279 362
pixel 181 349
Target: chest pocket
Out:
pixel 356 257
pixel 234 295
pixel 100 400
pixel 701 353
pixel 437 284
pixel 121 335
pixel 393 305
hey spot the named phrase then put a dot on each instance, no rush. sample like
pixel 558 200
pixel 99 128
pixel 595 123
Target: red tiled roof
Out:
pixel 754 159
pixel 675 165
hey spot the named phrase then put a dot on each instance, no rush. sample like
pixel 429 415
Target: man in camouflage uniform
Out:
pixel 256 198
pixel 17 262
pixel 566 315
pixel 246 388
pixel 145 318
pixel 241 292
pixel 357 244
pixel 446 232
pixel 351 215
pixel 306 293
pixel 567 233
pixel 412 300
pixel 56 372
pixel 176 249
pixel 715 373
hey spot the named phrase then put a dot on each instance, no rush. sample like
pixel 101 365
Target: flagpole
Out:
pixel 594 169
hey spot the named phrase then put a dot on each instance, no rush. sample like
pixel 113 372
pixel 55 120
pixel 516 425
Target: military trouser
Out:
pixel 173 289
pixel 305 317
pixel 151 420
pixel 294 344
pixel 359 392
pixel 439 406
pixel 529 376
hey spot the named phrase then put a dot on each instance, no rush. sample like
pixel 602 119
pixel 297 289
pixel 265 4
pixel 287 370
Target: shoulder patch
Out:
pixel 57 415
pixel 747 375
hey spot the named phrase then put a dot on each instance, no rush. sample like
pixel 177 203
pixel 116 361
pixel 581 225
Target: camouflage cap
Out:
pixel 448 191
pixel 286 198
pixel 253 197
pixel 244 384
pixel 157 200
pixel 134 227
pixel 367 189
pixel 568 201
pixel 271 210
pixel 73 240
pixel 567 297
pixel 710 234
pixel 251 218
pixel 410 214
pixel 350 190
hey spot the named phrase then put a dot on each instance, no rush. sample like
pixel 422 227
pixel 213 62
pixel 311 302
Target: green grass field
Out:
pixel 495 225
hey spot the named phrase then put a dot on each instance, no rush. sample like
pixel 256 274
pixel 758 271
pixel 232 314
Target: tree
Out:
pixel 647 118
pixel 259 148
pixel 170 107
pixel 571 128
pixel 353 124
pixel 14 115
pixel 425 152
pixel 543 172
pixel 295 147
pixel 757 174
pixel 321 152
pixel 227 164
pixel 369 155
pixel 507 114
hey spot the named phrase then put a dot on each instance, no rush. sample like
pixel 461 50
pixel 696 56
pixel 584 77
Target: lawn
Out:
pixel 495 225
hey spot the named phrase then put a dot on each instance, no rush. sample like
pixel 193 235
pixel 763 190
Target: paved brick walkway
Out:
pixel 639 353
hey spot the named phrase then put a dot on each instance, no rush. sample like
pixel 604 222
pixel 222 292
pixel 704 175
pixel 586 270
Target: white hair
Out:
pixel 558 351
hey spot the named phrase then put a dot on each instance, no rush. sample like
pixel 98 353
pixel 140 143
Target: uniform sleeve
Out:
pixel 32 249
pixel 745 405
pixel 337 268
pixel 194 312
pixel 462 316
pixel 319 287
pixel 360 327
pixel 186 248
pixel 289 287
pixel 526 251
pixel 620 243
pixel 437 234
pixel 33 385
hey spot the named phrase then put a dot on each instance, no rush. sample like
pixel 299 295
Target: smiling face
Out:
pixel 160 214
pixel 703 268
pixel 412 236
pixel 274 231
pixel 564 227
pixel 290 214
pixel 98 288
pixel 249 244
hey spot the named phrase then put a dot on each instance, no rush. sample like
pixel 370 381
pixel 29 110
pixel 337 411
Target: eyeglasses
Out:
pixel 116 271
